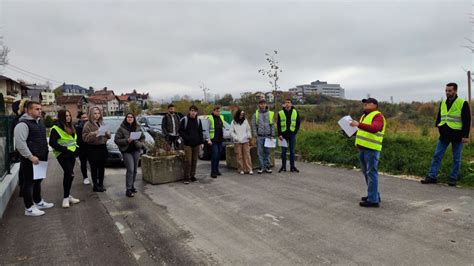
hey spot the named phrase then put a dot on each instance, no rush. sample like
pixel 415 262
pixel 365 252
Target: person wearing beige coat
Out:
pixel 241 134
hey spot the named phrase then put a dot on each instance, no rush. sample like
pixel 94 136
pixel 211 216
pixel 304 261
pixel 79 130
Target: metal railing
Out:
pixel 6 145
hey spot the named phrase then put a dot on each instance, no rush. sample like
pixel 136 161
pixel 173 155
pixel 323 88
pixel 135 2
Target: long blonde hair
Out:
pixel 91 114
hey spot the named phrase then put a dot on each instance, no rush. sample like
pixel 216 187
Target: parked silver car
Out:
pixel 114 154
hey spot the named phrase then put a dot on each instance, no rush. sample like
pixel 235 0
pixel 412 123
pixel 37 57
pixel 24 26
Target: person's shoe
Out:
pixel 219 173
pixel 242 172
pixel 86 181
pixel 66 203
pixel 95 189
pixel 452 182
pixel 44 205
pixel 268 171
pixel 213 175
pixel 193 179
pixel 364 198
pixel 429 180
pixel 129 194
pixel 294 170
pixel 134 190
pixel 186 182
pixel 102 188
pixel 369 204
pixel 98 189
pixel 33 211
pixel 283 169
pixel 251 172
pixel 260 171
pixel 73 200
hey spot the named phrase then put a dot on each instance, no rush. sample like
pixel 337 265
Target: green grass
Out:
pixel 401 155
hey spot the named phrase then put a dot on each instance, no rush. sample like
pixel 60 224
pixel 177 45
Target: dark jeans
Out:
pixel 67 163
pixel 190 162
pixel 130 159
pixel 291 140
pixel 97 172
pixel 369 161
pixel 438 157
pixel 31 188
pixel 83 160
pixel 216 149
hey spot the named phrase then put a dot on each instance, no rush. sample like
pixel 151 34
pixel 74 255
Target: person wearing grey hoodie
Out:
pixel 31 143
pixel 263 127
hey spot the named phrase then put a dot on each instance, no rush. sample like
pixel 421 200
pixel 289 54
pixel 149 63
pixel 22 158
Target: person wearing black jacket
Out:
pixel 454 124
pixel 288 125
pixel 82 146
pixel 63 141
pixel 170 127
pixel 191 131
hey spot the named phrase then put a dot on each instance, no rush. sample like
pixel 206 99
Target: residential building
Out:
pixel 74 104
pixel 11 91
pixel 111 102
pixel 39 92
pixel 139 98
pixel 71 89
pixel 321 87
pixel 123 104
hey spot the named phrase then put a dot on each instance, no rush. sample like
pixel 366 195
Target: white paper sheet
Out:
pixel 40 170
pixel 270 143
pixel 345 124
pixel 102 130
pixel 135 135
pixel 282 143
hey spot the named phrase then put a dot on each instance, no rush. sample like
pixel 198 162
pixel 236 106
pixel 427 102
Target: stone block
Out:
pixel 162 169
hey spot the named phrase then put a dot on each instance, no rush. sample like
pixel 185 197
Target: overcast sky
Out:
pixel 405 49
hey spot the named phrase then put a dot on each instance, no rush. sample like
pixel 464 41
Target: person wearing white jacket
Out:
pixel 241 134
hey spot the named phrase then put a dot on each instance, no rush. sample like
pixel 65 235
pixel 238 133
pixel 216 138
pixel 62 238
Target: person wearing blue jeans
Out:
pixel 369 139
pixel 288 124
pixel 454 123
pixel 263 127
pixel 216 137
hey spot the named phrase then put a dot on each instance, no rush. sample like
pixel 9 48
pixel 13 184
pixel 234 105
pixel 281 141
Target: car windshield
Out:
pixel 155 121
pixel 113 124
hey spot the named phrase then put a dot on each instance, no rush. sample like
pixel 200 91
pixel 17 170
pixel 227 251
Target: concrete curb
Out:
pixel 7 187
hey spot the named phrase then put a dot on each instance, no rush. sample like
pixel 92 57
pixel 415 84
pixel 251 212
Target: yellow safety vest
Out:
pixel 212 126
pixel 369 140
pixel 452 117
pixel 294 115
pixel 272 114
pixel 65 140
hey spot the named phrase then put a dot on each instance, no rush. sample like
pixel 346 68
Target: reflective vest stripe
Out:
pixel 369 140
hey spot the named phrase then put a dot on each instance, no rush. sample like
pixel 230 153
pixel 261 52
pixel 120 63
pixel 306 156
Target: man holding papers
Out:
pixel 31 143
pixel 130 140
pixel 369 140
pixel 288 124
pixel 263 128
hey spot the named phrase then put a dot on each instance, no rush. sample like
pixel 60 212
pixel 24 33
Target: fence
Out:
pixel 6 145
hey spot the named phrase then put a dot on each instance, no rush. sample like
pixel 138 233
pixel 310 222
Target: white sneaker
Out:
pixel 73 200
pixel 33 211
pixel 242 172
pixel 66 203
pixel 251 173
pixel 44 205
pixel 86 181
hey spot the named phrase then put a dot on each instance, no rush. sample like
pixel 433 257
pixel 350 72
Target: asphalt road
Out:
pixel 282 219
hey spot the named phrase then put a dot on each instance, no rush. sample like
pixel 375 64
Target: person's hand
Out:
pixel 209 142
pixel 34 160
pixel 96 132
pixel 202 146
pixel 130 140
pixel 355 123
pixel 465 140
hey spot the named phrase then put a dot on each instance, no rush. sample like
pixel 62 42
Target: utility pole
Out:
pixel 204 90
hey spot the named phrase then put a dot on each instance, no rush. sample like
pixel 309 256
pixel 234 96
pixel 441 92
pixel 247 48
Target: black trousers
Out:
pixel 83 160
pixel 97 172
pixel 67 163
pixel 31 188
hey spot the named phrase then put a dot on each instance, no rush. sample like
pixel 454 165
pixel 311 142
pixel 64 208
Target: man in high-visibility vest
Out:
pixel 263 128
pixel 288 124
pixel 369 140
pixel 216 137
pixel 454 124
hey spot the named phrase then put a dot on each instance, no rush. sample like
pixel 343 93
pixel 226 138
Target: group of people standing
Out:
pixel 87 140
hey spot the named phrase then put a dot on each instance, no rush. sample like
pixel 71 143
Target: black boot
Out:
pixel 282 169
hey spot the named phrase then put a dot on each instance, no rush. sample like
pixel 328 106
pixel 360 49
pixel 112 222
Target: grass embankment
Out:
pixel 401 155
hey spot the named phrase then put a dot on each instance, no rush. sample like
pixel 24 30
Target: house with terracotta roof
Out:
pixel 11 91
pixel 111 106
pixel 74 104
pixel 124 101
pixel 139 98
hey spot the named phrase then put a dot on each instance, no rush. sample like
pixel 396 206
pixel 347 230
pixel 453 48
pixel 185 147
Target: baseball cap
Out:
pixel 370 100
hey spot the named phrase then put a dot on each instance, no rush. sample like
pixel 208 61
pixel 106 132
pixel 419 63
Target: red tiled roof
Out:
pixel 68 99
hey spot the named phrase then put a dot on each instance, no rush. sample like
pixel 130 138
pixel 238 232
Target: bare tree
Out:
pixel 272 73
pixel 4 50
